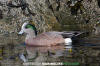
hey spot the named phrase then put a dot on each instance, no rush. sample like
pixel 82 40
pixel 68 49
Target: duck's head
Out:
pixel 28 28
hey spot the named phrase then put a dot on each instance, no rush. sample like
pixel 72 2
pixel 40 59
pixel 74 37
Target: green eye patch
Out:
pixel 32 27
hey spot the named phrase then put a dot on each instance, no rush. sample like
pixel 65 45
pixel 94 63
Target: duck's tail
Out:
pixel 73 37
pixel 79 36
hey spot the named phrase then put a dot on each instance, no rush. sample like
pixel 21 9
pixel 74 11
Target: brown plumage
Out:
pixel 45 39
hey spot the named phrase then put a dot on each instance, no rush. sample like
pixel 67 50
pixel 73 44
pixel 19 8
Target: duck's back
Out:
pixel 46 39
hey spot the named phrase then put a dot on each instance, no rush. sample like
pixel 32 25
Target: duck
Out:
pixel 51 38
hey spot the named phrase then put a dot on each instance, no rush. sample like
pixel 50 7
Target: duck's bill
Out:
pixel 21 32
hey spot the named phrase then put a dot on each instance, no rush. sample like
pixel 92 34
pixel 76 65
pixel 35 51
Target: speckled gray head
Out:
pixel 27 28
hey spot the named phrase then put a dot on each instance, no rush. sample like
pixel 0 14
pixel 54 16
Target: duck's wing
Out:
pixel 67 34
pixel 71 34
pixel 64 34
pixel 55 33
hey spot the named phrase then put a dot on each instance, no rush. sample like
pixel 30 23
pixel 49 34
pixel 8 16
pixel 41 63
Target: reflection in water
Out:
pixel 44 54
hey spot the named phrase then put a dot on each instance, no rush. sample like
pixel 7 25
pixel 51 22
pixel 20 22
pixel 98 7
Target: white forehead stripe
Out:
pixel 24 25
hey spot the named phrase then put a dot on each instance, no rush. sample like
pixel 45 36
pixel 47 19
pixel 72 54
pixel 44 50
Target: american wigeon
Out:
pixel 46 38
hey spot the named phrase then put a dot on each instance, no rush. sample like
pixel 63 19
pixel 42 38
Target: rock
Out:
pixel 47 15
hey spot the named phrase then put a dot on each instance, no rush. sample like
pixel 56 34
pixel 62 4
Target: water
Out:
pixel 84 53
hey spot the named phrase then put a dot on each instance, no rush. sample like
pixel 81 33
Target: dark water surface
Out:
pixel 84 53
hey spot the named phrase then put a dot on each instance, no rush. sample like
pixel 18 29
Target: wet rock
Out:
pixel 47 15
pixel 98 3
